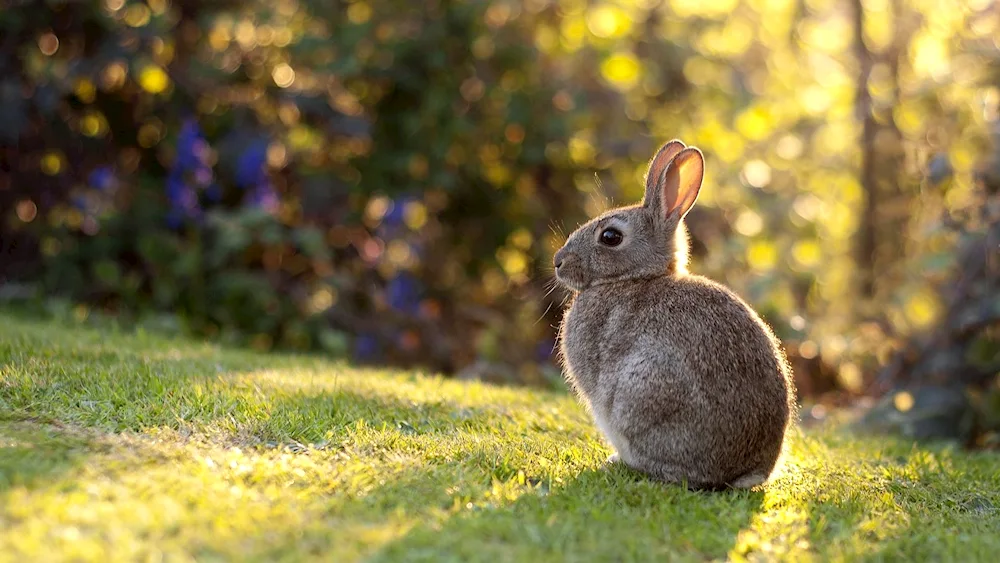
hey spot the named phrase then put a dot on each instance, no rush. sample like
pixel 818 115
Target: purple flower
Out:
pixel 392 225
pixel 264 197
pixel 190 146
pixel 101 178
pixel 203 175
pixel 403 292
pixel 365 346
pixel 394 217
pixel 250 166
pixel 190 164
pixel 183 201
pixel 251 175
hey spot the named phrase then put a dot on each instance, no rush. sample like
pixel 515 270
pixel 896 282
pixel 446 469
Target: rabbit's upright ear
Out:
pixel 682 182
pixel 654 176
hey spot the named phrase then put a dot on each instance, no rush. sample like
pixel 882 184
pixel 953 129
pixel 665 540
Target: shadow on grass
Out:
pixel 325 417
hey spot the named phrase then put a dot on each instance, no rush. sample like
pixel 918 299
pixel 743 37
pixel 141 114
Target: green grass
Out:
pixel 117 447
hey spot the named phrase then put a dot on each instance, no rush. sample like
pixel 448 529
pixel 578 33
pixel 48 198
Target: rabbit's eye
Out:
pixel 611 237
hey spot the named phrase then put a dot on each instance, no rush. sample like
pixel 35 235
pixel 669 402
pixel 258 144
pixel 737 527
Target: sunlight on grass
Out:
pixel 116 447
pixel 167 496
pixel 787 527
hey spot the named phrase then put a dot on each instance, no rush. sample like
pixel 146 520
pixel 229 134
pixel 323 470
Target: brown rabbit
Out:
pixel 684 379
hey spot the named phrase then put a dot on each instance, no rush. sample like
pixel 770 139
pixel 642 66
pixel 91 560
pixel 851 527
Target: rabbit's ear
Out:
pixel 654 176
pixel 682 182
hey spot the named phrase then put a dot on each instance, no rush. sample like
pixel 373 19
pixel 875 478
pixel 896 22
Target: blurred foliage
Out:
pixel 379 175
pixel 389 179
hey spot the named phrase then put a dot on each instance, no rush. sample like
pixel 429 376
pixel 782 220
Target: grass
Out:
pixel 133 447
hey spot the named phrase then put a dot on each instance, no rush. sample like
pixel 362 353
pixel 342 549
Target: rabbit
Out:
pixel 680 374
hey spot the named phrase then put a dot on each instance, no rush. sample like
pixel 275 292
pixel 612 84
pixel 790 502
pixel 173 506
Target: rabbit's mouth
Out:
pixel 570 276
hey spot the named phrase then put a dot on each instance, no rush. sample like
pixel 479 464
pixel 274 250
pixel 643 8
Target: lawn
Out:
pixel 122 446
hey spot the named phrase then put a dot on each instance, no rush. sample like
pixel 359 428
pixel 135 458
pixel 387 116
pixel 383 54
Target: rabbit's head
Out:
pixel 638 241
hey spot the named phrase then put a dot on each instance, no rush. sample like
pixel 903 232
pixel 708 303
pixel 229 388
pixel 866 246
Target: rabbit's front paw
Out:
pixel 613 461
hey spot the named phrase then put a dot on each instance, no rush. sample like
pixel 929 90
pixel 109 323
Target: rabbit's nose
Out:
pixel 558 258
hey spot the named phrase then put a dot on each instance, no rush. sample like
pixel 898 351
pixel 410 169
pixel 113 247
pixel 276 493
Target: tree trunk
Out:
pixel 866 241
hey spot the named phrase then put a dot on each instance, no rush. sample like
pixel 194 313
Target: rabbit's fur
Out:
pixel 682 377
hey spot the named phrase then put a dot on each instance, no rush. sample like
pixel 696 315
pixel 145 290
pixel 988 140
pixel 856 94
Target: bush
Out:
pixel 367 177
